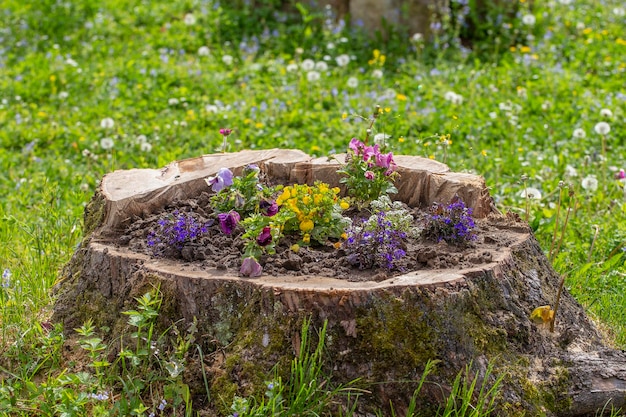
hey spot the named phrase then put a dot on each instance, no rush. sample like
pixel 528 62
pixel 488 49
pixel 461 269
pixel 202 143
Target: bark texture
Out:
pixel 381 332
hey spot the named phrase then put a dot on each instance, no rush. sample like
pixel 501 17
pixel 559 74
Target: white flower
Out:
pixel 453 97
pixel 307 64
pixel 493 115
pixel 227 59
pixel 189 19
pixel 106 143
pixel 565 2
pixel 580 26
pixel 342 60
pixel 299 51
pixel 204 51
pixel 546 105
pixel 570 171
pixel 145 147
pixel 313 76
pixel 107 123
pixel 606 113
pixel 590 183
pixel 602 128
pixel 63 95
pixel 579 133
pixel 377 73
pixel 255 66
pixel 531 193
pixel 380 138
pixel 417 37
pixel 619 11
pixel 211 108
pixel 529 19
pixel 71 62
pixel 321 66
pixel 173 101
pixel 330 46
pixel 292 67
pixel 353 82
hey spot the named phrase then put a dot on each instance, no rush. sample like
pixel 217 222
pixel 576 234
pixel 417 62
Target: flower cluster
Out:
pixel 315 211
pixel 376 242
pixel 453 223
pixel 174 231
pixel 368 172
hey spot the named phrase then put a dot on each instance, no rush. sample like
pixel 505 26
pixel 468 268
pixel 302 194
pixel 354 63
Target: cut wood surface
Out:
pixel 381 332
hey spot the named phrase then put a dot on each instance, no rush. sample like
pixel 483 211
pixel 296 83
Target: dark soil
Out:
pixel 217 250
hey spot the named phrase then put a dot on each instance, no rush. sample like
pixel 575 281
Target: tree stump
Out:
pixel 381 332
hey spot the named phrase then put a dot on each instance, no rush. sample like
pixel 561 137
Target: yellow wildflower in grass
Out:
pixel 344 205
pixel 525 49
pixel 400 97
pixel 344 116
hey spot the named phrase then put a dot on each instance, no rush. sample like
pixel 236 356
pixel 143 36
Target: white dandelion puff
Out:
pixel 531 193
pixel 579 133
pixel 602 128
pixel 313 76
pixel 342 60
pixel 590 183
pixel 107 143
pixel 107 123
pixel 307 65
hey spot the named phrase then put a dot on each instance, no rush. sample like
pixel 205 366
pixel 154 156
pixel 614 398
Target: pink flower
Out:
pixel 356 145
pixel 250 268
pixel 225 132
pixel 265 238
pixel 385 160
pixel 369 175
pixel 369 152
pixel 621 174
pixel 228 221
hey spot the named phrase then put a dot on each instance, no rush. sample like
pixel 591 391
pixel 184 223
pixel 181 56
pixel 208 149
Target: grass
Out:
pixel 518 97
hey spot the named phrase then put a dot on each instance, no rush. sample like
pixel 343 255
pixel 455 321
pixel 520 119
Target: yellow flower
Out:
pixel 344 116
pixel 306 238
pixel 344 205
pixel 335 190
pixel 307 225
pixel 525 49
pixel 306 200
pixel 344 235
pixel 295 248
pixel 483 152
pixel 401 97
pixel 337 245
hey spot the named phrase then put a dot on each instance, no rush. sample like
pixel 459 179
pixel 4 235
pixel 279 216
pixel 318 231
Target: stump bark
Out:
pixel 381 332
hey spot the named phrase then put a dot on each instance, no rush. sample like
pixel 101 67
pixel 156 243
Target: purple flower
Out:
pixel 223 179
pixel 369 152
pixel 250 268
pixel 228 221
pixel 225 132
pixel 265 238
pixel 268 208
pixel 356 145
pixel 385 161
pixel 369 175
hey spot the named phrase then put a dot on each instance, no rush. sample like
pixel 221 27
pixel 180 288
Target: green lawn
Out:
pixel 87 87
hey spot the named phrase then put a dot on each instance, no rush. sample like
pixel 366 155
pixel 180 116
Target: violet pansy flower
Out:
pixel 265 238
pixel 250 268
pixel 228 221
pixel 221 180
pixel 268 208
